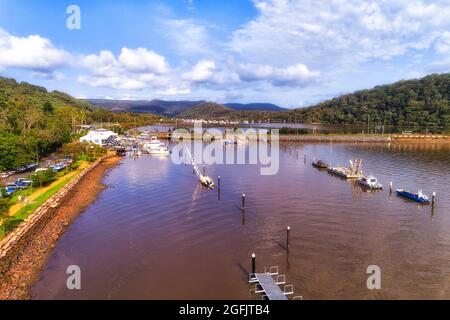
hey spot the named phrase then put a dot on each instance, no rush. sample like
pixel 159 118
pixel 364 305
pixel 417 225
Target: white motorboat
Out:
pixel 370 182
pixel 163 150
pixel 154 146
pixel 154 143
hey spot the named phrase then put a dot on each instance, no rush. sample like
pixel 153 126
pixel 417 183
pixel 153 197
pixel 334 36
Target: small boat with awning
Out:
pixel 370 182
pixel 320 164
pixel 418 197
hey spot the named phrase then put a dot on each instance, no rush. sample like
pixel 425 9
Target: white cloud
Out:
pixel 143 60
pixel 33 53
pixel 134 69
pixel 203 71
pixel 49 75
pixel 337 32
pixel 187 36
pixel 295 75
pixel 174 91
pixel 443 43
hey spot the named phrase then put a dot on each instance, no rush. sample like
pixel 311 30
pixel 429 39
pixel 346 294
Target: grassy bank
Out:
pixel 18 212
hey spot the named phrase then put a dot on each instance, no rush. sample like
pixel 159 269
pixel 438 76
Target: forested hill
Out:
pixel 207 110
pixel 32 118
pixel 412 103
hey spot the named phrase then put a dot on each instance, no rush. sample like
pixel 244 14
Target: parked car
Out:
pixel 23 182
pixel 11 188
pixel 31 166
pixel 58 167
pixel 21 169
pixel 41 169
pixel 4 175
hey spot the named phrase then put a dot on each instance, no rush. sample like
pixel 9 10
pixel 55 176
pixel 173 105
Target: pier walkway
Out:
pixel 269 286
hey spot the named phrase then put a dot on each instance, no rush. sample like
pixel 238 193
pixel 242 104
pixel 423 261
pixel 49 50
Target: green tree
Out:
pixel 48 107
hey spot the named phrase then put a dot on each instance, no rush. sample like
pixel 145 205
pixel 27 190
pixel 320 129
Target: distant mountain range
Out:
pixel 173 108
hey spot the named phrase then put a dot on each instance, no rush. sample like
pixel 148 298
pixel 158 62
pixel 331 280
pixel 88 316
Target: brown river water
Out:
pixel 154 233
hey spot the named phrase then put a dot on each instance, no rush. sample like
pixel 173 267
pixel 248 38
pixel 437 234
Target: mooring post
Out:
pixel 253 263
pixel 433 198
pixel 243 200
pixel 288 229
pixel 390 187
pixel 218 183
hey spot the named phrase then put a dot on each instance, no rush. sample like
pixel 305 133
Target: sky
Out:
pixel 293 53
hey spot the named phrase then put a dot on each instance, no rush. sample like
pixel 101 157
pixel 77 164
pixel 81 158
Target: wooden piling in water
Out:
pixel 433 198
pixel 253 263
pixel 243 200
pixel 288 229
pixel 390 187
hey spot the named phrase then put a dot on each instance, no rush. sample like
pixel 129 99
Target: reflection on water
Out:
pixel 155 233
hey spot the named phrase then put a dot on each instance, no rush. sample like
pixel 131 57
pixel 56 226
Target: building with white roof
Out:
pixel 100 137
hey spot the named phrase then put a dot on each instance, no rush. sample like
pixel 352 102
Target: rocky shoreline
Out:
pixel 24 252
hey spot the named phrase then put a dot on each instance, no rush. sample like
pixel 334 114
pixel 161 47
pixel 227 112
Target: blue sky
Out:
pixel 292 53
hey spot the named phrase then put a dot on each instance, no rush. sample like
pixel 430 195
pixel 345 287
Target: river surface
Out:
pixel 154 233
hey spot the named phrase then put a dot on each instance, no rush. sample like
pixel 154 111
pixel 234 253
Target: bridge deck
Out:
pixel 271 289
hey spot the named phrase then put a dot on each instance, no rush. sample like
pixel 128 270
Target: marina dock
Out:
pixel 268 286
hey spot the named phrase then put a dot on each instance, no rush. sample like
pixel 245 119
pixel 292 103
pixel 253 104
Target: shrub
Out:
pixel 83 151
pixel 43 178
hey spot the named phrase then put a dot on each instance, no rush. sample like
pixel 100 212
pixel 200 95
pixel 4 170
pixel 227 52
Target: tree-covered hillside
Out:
pixel 31 118
pixel 207 110
pixel 421 103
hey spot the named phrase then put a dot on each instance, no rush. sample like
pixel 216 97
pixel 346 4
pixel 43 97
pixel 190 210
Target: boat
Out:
pixel 354 172
pixel 370 182
pixel 154 143
pixel 418 197
pixel 320 164
pixel 154 146
pixel 206 181
pixel 163 150
pixel 230 141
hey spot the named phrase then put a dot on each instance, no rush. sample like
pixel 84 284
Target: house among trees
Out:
pixel 100 137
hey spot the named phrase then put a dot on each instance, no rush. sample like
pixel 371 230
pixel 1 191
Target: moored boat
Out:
pixel 418 197
pixel 370 182
pixel 160 150
pixel 154 146
pixel 320 164
pixel 354 172
pixel 206 181
pixel 230 141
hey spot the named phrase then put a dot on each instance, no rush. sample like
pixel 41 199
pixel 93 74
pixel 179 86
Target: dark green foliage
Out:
pixel 414 104
pixel 293 131
pixel 48 107
pixel 32 119
pixel 14 151
pixel 207 110
pixel 43 178
pixel 83 151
